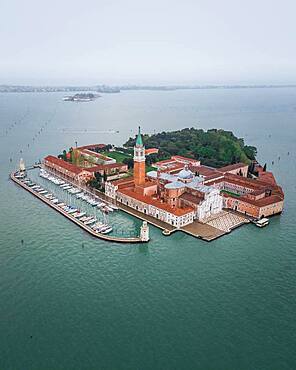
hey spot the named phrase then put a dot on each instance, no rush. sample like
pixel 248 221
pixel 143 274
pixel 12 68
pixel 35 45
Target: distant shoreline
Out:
pixel 117 89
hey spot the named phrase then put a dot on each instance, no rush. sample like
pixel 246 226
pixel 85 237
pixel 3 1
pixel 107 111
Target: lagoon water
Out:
pixel 68 301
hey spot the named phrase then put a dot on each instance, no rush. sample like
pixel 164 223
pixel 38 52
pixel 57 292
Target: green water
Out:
pixel 69 301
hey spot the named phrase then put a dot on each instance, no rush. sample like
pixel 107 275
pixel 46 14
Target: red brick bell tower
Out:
pixel 139 160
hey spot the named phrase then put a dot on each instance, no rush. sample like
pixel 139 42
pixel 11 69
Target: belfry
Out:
pixel 139 160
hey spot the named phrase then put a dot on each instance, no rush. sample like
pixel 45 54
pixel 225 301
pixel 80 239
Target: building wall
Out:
pixel 211 205
pixel 241 206
pixel 271 209
pixel 243 170
pixel 111 190
pixel 160 214
pixel 139 173
pixel 171 195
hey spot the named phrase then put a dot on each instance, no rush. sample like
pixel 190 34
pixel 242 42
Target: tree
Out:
pixel 213 147
pixel 71 155
pixel 93 183
pixel 129 162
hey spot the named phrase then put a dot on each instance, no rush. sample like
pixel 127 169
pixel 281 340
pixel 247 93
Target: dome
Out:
pixel 174 185
pixel 185 174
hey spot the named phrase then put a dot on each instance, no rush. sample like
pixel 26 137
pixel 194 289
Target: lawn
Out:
pixel 118 156
pixel 230 193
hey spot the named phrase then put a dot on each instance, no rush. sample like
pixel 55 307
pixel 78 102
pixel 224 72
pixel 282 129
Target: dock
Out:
pixel 75 220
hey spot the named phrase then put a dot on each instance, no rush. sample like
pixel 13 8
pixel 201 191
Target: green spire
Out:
pixel 139 141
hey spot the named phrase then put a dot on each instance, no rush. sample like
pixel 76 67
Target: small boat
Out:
pixel 90 221
pixel 79 214
pixel 107 231
pixel 84 218
pixel 87 218
pixel 262 222
pixel 72 210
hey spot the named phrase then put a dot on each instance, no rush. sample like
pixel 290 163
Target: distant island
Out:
pixel 81 97
pixel 215 147
pixel 116 89
pixel 40 89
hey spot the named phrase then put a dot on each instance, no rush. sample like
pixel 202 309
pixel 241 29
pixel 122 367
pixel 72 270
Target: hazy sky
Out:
pixel 152 41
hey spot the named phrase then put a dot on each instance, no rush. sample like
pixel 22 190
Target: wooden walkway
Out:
pixel 75 220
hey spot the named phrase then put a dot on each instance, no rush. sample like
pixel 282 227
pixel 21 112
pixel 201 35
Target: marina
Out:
pixel 89 223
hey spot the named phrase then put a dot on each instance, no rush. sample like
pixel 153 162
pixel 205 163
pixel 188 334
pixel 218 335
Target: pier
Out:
pixel 75 220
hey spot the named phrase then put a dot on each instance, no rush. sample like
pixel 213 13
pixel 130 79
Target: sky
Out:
pixel 147 42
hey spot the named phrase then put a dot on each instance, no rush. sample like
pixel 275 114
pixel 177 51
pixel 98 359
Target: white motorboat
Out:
pixel 107 231
pixel 263 222
pixel 90 221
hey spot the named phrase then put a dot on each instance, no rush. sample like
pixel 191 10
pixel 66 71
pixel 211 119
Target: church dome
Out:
pixel 185 174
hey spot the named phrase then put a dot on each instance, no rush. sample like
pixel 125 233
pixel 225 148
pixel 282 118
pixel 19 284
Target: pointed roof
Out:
pixel 139 141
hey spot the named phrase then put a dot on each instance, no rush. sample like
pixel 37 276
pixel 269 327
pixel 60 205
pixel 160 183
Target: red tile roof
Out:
pixel 151 151
pixel 204 170
pixel 267 177
pixel 101 167
pixel 191 198
pixel 156 203
pixel 258 202
pixel 164 162
pixel 61 163
pixel 147 184
pixel 231 167
pixel 125 180
pixel 184 159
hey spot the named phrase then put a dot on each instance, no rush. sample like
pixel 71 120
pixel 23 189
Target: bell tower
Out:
pixel 139 160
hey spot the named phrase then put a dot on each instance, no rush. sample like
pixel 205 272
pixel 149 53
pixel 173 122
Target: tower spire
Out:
pixel 139 141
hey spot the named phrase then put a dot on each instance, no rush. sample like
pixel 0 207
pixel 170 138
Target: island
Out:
pixel 82 97
pixel 203 183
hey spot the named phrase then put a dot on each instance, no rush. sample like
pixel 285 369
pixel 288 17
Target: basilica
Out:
pixel 177 198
